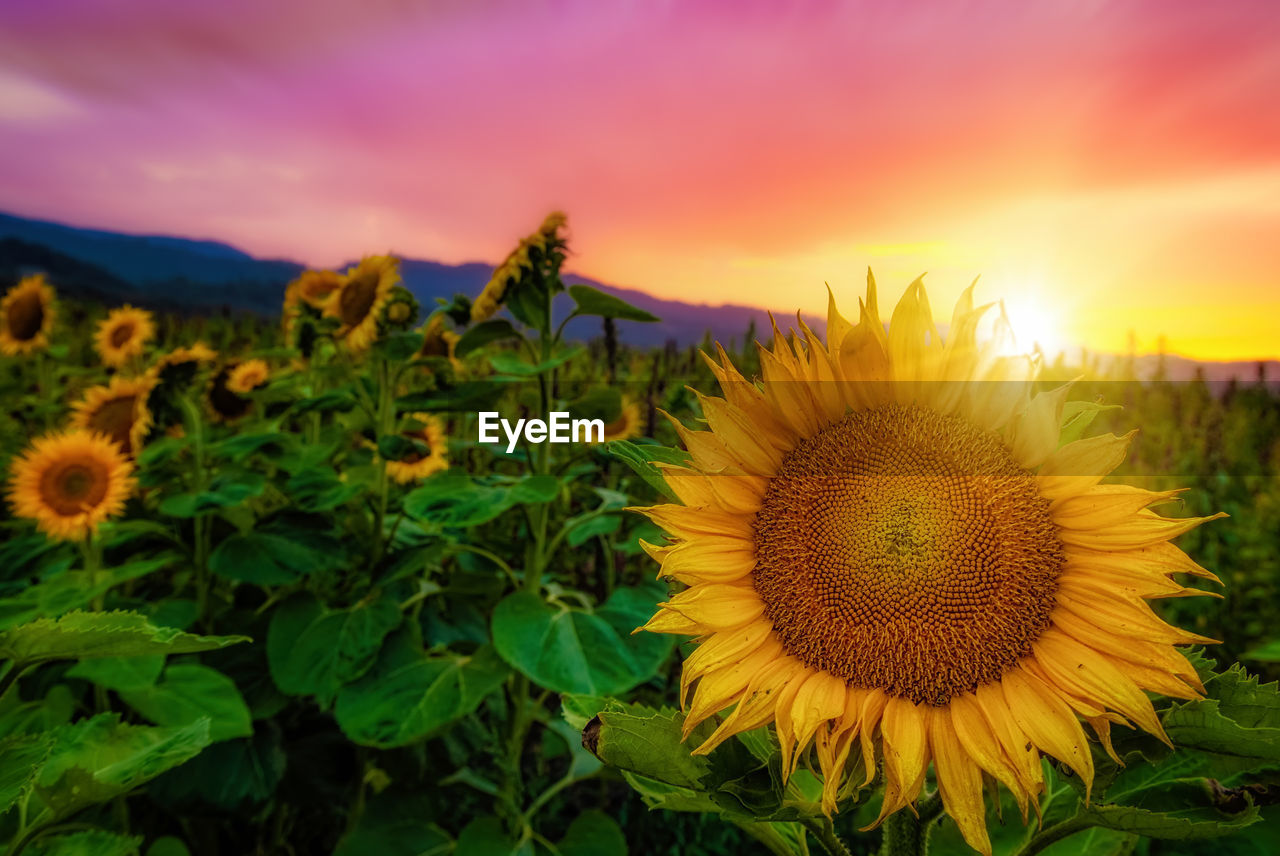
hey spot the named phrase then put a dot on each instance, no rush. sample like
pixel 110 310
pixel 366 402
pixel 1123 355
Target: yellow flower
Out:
pixel 357 302
pixel 123 335
pixel 311 289
pixel 630 422
pixel 117 411
pixel 248 376
pixel 69 483
pixel 26 317
pixel 185 357
pixel 887 553
pixel 419 466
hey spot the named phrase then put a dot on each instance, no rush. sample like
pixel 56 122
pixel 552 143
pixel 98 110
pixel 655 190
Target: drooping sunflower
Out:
pixel 117 410
pixel 416 466
pixel 170 376
pixel 248 376
pixel 439 341
pixel 358 302
pixel 123 335
pixel 630 422
pixel 546 240
pixel 888 555
pixel 225 405
pixel 70 482
pixel 27 314
pixel 307 295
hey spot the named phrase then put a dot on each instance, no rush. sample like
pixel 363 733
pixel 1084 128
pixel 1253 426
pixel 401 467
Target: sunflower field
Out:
pixel 263 590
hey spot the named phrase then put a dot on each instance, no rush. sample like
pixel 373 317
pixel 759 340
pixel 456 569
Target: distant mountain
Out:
pixel 200 276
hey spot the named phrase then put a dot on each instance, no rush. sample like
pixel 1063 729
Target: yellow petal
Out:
pixel 722 649
pixel 748 445
pixel 1035 435
pixel 959 781
pixel 720 607
pixel 1049 722
pixel 1078 466
pixel 710 559
pixel 758 703
pixel 689 523
pixel 1106 505
pixel 1141 530
pixel 905 740
pixel 719 688
pixel 820 699
pixel 978 741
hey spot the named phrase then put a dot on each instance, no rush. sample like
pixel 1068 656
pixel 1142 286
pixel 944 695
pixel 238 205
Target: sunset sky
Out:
pixel 1105 167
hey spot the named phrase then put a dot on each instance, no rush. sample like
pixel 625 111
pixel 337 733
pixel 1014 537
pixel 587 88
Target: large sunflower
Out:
pixel 123 335
pixel 435 458
pixel 26 317
pixel 69 483
pixel 888 554
pixel 357 303
pixel 117 410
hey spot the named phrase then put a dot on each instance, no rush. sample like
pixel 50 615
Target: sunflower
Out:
pixel 888 554
pixel 26 317
pixel 225 405
pixel 70 482
pixel 357 303
pixel 628 424
pixel 170 376
pixel 420 465
pixel 118 411
pixel 307 295
pixel 124 333
pixel 495 290
pixel 248 376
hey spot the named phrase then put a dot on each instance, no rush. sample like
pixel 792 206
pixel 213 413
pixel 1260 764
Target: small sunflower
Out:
pixel 248 376
pixel 357 303
pixel 117 410
pixel 438 340
pixel 123 335
pixel 170 375
pixel 888 553
pixel 69 483
pixel 628 424
pixel 401 309
pixel 431 434
pixel 26 317
pixel 225 405
pixel 306 296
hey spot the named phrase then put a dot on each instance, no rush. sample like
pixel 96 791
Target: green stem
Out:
pixel 199 523
pixel 904 835
pixel 1052 835
pixel 384 419
pixel 821 829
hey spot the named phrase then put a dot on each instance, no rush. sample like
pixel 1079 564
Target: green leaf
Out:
pixel 574 651
pixel 97 759
pixel 71 590
pixel 593 833
pixel 394 825
pixel 641 458
pixel 1189 821
pixel 511 364
pixel 320 489
pixel 591 301
pixel 101 634
pixel 228 774
pixel 312 650
pixel 649 743
pixel 91 842
pixel 534 490
pixel 21 757
pixel 263 558
pixel 455 500
pixel 485 836
pixel 240 447
pixel 581 533
pixel 189 692
pixel 400 346
pixel 1237 725
pixel 471 396
pixel 1267 652
pixel 409 694
pixel 167 845
pixel 226 489
pixel 120 673
pixel 479 335
pixel 337 400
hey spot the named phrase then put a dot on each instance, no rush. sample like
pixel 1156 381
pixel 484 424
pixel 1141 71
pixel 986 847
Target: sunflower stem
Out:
pixel 822 830
pixel 904 835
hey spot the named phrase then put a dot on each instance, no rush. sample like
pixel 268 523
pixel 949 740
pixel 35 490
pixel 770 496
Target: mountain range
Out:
pixel 208 276
pixel 188 275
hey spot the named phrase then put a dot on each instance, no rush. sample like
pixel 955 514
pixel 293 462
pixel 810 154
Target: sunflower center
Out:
pixel 906 550
pixel 74 487
pixel 121 334
pixel 357 297
pixel 26 316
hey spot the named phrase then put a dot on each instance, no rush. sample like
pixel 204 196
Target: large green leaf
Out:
pixel 120 673
pixel 101 634
pixel 320 489
pixel 90 842
pixel 485 836
pixel 509 363
pixel 591 301
pixel 227 774
pixel 454 500
pixel 479 335
pixel 593 833
pixel 72 590
pixel 187 692
pixel 100 758
pixel 227 488
pixel 571 650
pixel 265 558
pixel 395 825
pixel 313 650
pixel 410 694
pixel 21 757
pixel 1237 725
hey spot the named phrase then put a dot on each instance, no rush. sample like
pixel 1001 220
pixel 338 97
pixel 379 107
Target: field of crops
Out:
pixel 262 591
